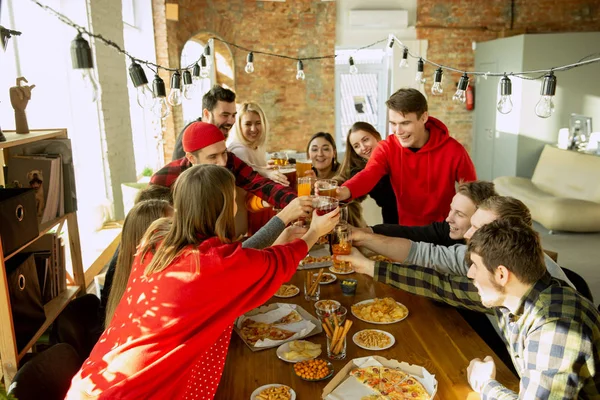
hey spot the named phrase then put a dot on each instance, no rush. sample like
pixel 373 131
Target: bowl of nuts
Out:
pixel 314 370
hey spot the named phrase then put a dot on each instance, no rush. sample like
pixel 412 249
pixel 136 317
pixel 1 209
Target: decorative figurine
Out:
pixel 19 97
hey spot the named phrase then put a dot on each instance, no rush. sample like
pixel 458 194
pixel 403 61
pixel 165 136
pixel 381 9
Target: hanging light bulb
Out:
pixel 300 74
pixel 145 98
pixel 437 89
pixel 545 107
pixel 389 48
pixel 505 104
pixel 207 55
pixel 161 108
pixel 175 94
pixel 196 74
pixel 463 84
pixel 249 63
pixel 353 68
pixel 204 68
pixel 404 61
pixel 188 85
pixel 419 77
pixel 81 57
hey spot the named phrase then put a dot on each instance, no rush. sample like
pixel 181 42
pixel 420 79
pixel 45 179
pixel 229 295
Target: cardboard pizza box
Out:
pixel 264 309
pixel 420 373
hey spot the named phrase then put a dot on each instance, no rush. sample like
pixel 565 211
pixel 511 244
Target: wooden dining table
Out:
pixel 433 335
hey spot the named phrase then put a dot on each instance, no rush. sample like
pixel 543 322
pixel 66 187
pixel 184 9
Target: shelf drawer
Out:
pixel 18 218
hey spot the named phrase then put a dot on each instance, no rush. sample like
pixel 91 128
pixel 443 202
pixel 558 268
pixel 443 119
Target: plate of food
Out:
pixel 326 278
pixel 327 305
pixel 286 291
pixel 274 391
pixel 373 339
pixel 379 257
pixel 380 311
pixel 314 370
pixel 298 350
pixel 341 272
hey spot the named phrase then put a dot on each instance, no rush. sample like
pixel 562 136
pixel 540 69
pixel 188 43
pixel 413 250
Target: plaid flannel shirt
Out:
pixel 553 338
pixel 245 178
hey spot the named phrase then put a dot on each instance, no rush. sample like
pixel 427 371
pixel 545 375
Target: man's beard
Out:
pixel 225 128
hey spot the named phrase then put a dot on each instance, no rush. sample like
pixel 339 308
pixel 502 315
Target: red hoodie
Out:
pixel 424 182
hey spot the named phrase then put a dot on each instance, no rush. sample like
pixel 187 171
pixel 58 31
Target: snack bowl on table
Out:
pixel 327 305
pixel 314 370
pixel 340 315
pixel 273 386
pixel 348 286
pixel 298 350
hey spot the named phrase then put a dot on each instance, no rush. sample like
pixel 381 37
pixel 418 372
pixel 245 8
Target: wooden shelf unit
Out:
pixel 9 355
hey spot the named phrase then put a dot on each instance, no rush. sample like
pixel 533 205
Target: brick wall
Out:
pixel 452 26
pixel 299 28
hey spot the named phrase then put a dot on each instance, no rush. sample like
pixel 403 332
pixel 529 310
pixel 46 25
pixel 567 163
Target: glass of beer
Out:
pixel 327 187
pixel 326 204
pixel 290 173
pixel 341 244
pixel 279 159
pixel 303 166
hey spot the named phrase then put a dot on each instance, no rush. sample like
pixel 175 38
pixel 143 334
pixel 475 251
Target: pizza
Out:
pixel 292 317
pixel 253 331
pixel 390 384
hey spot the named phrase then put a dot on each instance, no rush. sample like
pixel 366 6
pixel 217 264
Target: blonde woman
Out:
pixel 169 335
pixel 136 223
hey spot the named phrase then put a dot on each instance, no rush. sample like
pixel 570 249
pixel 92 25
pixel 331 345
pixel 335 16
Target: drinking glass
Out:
pixel 304 184
pixel 289 171
pixel 326 204
pixel 327 187
pixel 302 166
pixel 314 296
pixel 279 159
pixel 338 352
pixel 341 244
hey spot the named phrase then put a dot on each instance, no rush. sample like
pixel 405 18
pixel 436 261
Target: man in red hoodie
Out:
pixel 421 158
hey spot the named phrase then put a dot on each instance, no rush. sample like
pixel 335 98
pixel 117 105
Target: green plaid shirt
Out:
pixel 553 338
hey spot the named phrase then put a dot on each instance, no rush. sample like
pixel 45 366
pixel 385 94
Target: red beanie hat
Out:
pixel 199 135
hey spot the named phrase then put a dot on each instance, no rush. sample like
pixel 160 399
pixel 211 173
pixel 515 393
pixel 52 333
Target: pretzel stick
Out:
pixel 330 325
pixel 338 346
pixel 314 286
pixel 336 332
pixel 335 319
pixel 327 330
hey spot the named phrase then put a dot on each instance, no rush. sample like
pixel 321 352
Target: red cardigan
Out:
pixel 423 181
pixel 169 336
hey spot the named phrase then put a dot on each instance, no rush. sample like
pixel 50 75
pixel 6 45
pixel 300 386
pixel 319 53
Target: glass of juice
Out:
pixel 341 244
pixel 327 187
pixel 304 185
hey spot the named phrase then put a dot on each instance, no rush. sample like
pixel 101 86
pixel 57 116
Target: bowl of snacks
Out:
pixel 348 286
pixel 334 317
pixel 314 370
pixel 298 350
pixel 273 391
pixel 327 305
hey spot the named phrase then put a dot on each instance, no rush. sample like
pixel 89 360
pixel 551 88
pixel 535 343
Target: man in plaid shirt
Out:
pixel 204 143
pixel 553 333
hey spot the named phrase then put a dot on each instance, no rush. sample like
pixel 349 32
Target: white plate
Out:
pixel 260 389
pixel 377 323
pixel 335 271
pixel 284 348
pixel 291 295
pixel 392 340
pixel 326 274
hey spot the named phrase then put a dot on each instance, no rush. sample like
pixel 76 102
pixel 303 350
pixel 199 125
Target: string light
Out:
pixel 437 88
pixel 161 109
pixel 505 104
pixel 463 84
pixel 419 77
pixel 81 57
pixel 188 87
pixel 196 74
pixel 353 68
pixel 389 50
pixel 404 61
pixel 204 69
pixel 545 107
pixel 145 97
pixel 249 63
pixel 207 55
pixel 300 71
pixel 175 94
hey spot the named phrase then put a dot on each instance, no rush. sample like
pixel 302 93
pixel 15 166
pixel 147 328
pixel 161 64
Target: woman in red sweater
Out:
pixel 169 336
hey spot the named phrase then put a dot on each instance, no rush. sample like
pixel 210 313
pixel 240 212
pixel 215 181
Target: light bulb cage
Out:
pixel 137 75
pixel 196 71
pixel 420 65
pixel 405 53
pixel 463 84
pixel 158 87
pixel 81 53
pixel 187 77
pixel 250 58
pixel 176 80
pixel 437 77
pixel 549 85
pixel 505 86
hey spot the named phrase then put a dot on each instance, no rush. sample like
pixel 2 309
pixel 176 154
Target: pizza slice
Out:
pixel 253 331
pixel 369 376
pixel 412 389
pixel 294 316
pixel 390 378
pixel 278 334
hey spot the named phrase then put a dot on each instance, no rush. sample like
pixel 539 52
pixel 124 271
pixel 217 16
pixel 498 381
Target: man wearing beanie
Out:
pixel 204 143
